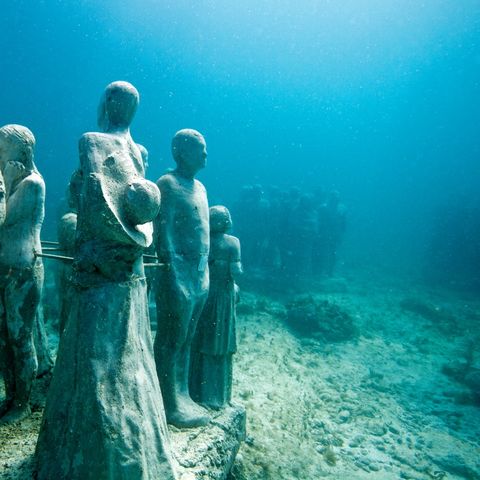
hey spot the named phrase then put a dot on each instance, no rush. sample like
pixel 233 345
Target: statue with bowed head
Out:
pixel 104 414
pixel 22 199
pixel 215 338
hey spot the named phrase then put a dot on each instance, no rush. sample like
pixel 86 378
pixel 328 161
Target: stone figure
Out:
pixel 289 202
pixel 302 229
pixel 21 272
pixel 66 232
pixel 331 228
pixel 275 229
pixel 104 416
pixel 252 210
pixel 182 245
pixel 215 337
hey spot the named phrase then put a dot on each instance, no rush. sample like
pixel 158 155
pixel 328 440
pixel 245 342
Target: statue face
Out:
pixel 120 103
pixel 9 151
pixel 220 219
pixel 194 155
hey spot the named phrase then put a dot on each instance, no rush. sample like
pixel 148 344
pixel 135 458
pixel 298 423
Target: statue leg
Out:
pixel 177 314
pixel 40 337
pixel 6 360
pixel 22 297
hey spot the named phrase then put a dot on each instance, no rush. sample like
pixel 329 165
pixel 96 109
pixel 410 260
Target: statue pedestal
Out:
pixel 208 453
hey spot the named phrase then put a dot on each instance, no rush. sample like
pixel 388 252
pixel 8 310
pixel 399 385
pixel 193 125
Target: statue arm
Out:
pixel 25 201
pixel 164 222
pixel 235 259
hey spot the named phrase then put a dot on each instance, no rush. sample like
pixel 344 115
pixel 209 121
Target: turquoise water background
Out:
pixel 379 99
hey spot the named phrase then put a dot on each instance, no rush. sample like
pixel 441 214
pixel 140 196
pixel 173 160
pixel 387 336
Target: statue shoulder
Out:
pixel 92 138
pixel 198 184
pixel 167 182
pixel 233 243
pixel 34 182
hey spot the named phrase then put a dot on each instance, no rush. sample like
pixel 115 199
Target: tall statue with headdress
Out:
pixel 104 415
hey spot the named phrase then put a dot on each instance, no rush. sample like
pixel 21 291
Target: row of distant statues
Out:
pixel 113 390
pixel 290 231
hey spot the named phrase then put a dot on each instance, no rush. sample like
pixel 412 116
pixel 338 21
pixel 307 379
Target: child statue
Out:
pixel 215 338
pixel 182 244
pixel 104 416
pixel 21 272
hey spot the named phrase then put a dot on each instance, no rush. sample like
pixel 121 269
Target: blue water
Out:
pixel 379 99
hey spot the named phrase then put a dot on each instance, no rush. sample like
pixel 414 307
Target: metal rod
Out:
pixel 52 249
pixel 154 257
pixel 63 258
pixel 48 242
pixel 70 259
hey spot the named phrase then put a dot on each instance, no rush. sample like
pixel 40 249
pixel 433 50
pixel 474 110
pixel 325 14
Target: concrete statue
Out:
pixel 21 272
pixel 181 232
pixel 215 338
pixel 104 415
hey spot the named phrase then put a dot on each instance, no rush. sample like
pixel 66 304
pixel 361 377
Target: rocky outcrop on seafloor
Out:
pixel 208 453
pixel 320 319
pixel 466 369
pixel 204 453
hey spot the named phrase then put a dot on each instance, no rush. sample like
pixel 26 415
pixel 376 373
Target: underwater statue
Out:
pixel 66 232
pixel 252 210
pixel 182 245
pixel 331 229
pixel 302 229
pixel 215 338
pixel 104 416
pixel 21 272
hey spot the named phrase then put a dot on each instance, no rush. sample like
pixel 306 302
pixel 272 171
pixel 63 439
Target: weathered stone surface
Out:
pixel 22 199
pixel 104 417
pixel 208 453
pixel 182 242
pixel 215 340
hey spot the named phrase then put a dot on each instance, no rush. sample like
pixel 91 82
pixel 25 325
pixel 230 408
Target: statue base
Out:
pixel 208 453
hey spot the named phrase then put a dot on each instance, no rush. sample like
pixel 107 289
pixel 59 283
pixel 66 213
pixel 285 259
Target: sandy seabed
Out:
pixel 379 406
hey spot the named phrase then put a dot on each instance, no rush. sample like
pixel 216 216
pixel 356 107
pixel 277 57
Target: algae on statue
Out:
pixel 182 244
pixel 215 338
pixel 21 271
pixel 104 414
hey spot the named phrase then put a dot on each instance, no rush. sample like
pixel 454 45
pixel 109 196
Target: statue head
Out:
pixel 220 219
pixel 117 106
pixel 189 151
pixel 17 144
pixel 66 231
